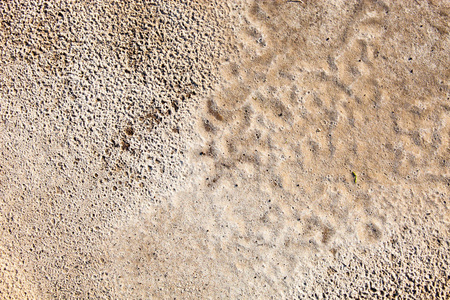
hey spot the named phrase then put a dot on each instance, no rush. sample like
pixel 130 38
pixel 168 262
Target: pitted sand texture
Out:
pixel 224 149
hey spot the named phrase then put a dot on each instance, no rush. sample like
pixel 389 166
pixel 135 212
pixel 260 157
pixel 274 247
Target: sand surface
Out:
pixel 224 149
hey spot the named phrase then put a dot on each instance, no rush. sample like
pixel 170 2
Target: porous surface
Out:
pixel 224 149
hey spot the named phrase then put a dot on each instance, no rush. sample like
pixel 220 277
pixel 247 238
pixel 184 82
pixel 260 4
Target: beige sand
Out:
pixel 224 149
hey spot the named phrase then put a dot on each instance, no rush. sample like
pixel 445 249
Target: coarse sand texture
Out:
pixel 224 149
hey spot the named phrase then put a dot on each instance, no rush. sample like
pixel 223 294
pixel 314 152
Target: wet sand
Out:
pixel 245 149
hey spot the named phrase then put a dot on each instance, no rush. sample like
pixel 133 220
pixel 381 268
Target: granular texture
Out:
pixel 224 149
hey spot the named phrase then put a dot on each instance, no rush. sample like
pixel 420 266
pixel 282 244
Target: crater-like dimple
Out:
pixel 309 121
pixel 237 149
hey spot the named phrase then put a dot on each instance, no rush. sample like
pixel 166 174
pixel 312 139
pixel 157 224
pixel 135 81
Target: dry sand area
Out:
pixel 224 149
